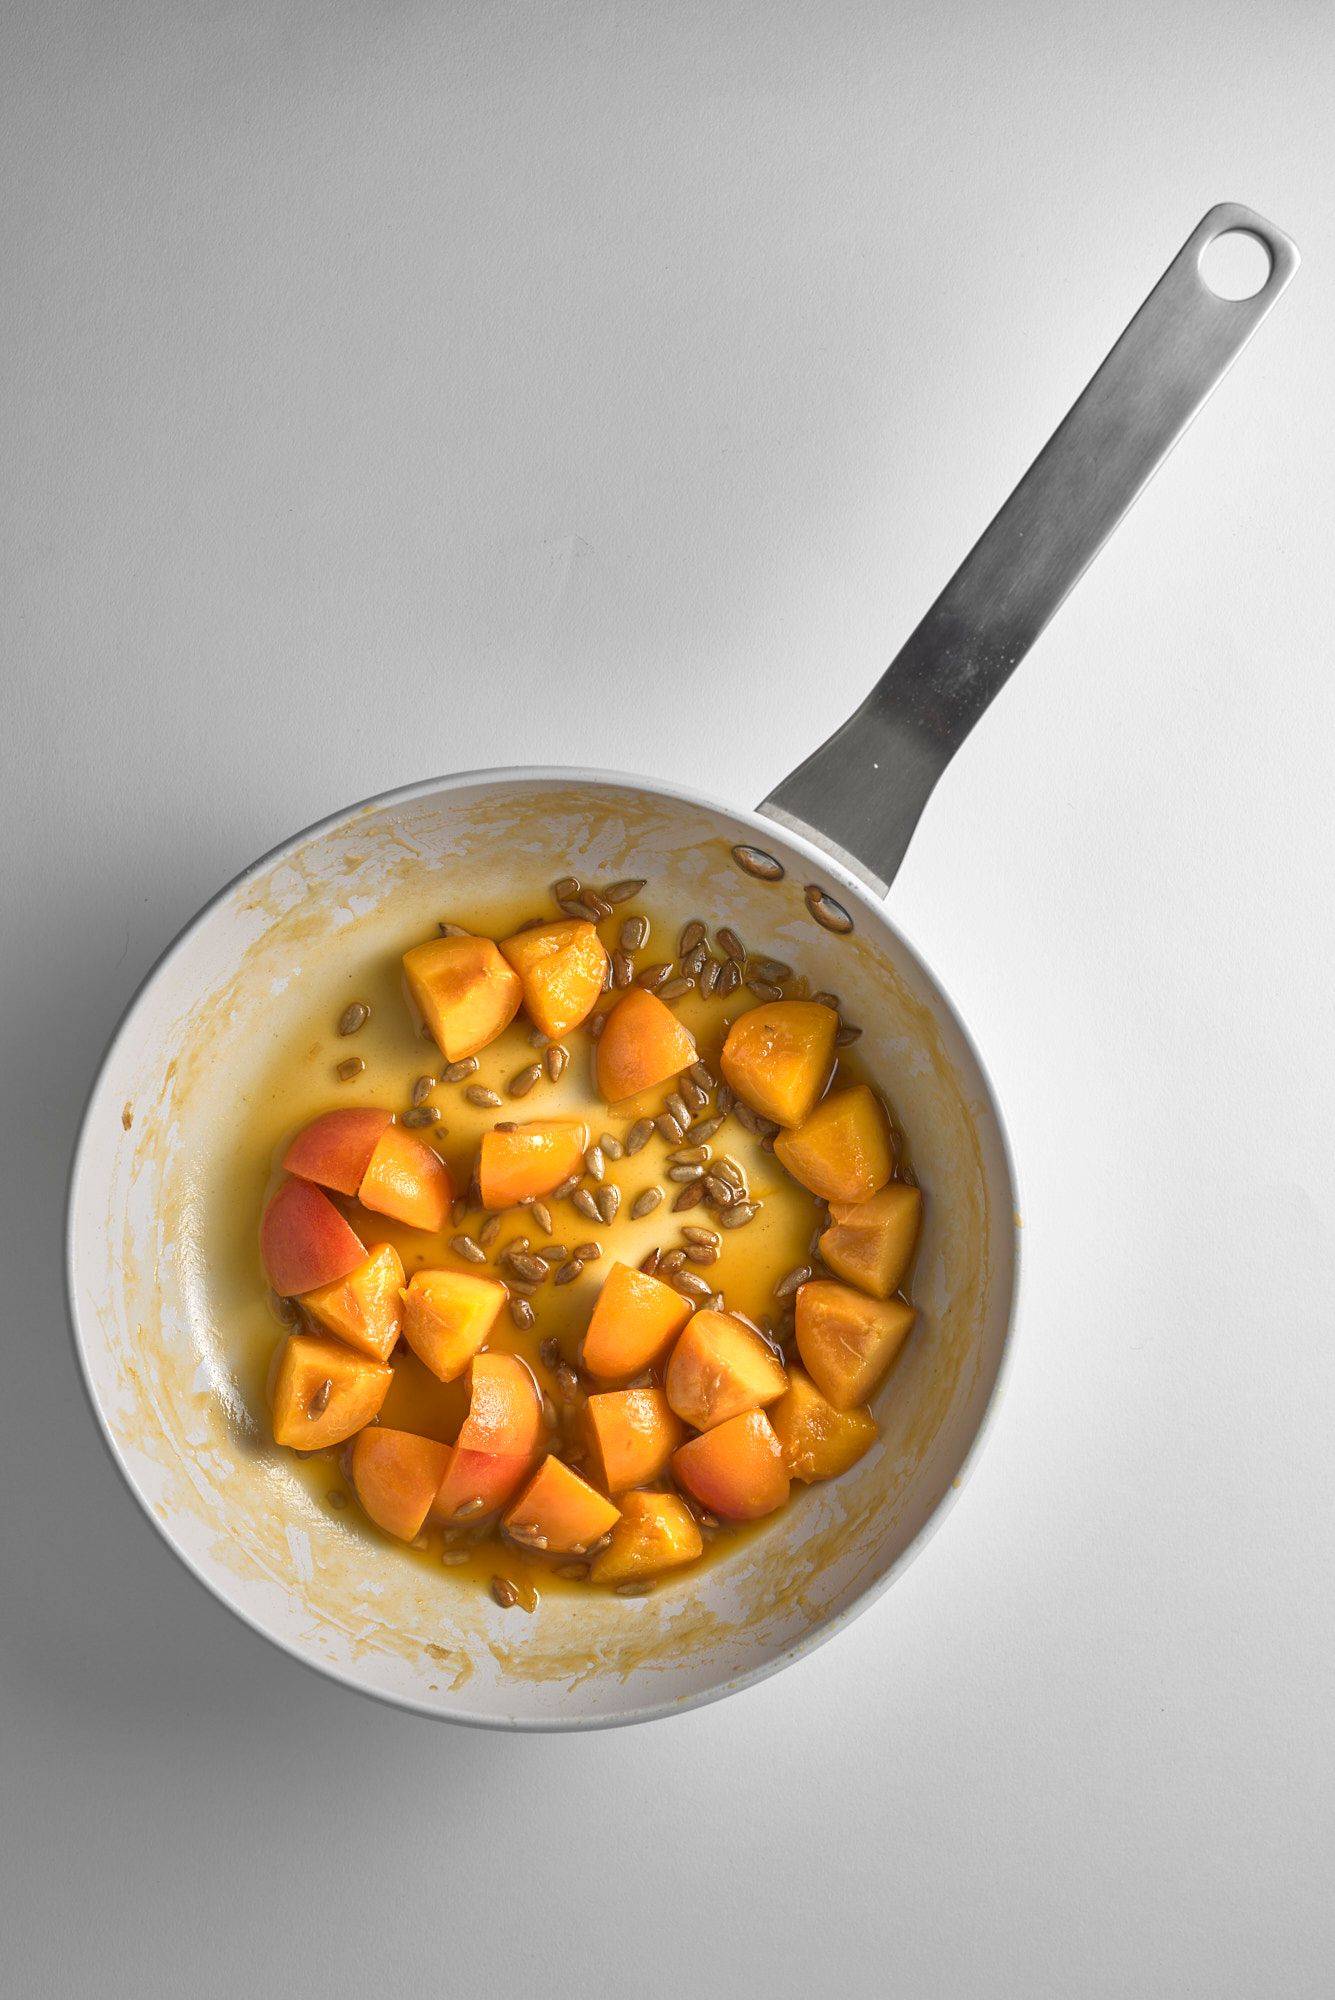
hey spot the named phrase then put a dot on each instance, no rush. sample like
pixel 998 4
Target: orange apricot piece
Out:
pixel 720 1368
pixel 504 1408
pixel 778 1057
pixel 737 1470
pixel 365 1308
pixel 447 1315
pixel 323 1392
pixel 397 1476
pixel 470 1476
pixel 642 1044
pixel 336 1149
pixel 408 1181
pixel 530 1161
pixel 848 1341
pixel 657 1531
pixel 305 1242
pixel 635 1320
pixel 561 968
pixel 464 991
pixel 870 1243
pixel 843 1151
pixel 559 1512
pixel 632 1435
pixel 819 1441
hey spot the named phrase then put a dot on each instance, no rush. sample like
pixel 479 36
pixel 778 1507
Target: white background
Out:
pixel 394 388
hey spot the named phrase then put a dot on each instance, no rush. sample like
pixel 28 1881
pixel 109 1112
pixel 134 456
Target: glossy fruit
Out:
pixel 737 1470
pixel 504 1408
pixel 635 1320
pixel 530 1161
pixel 307 1415
pixel 561 968
pixel 397 1475
pixel 365 1308
pixel 464 991
pixel 560 1512
pixel 720 1368
pixel 336 1149
pixel 656 1532
pixel 846 1340
pixel 819 1441
pixel 408 1180
pixel 477 1475
pixel 778 1057
pixel 447 1316
pixel 871 1243
pixel 632 1435
pixel 843 1151
pixel 642 1045
pixel 305 1242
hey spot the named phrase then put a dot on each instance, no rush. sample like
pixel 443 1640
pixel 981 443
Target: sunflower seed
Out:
pixel 555 1060
pixel 353 1017
pixel 536 1038
pixel 739 1215
pixel 551 1254
pixel 595 1025
pixel 772 969
pixel 609 1201
pixel 764 989
pixel 691 936
pixel 489 1231
pixel 455 1072
pixel 421 1114
pixel 623 968
pixel 729 979
pixel 710 973
pixel 686 1170
pixel 505 1125
pixel 549 1353
pixel 703 1253
pixel 692 964
pixel 653 976
pixel 634 934
pixel 703 1128
pixel 594 1164
pixel 646 1202
pixel 569 1271
pixel 691 1094
pixel 504 1592
pixel 588 1253
pixel 826 911
pixel 583 1200
pixel 637 1587
pixel 788 1285
pixel 542 1215
pixel 689 1196
pixel 701 1073
pixel 671 1262
pixel 752 1121
pixel 675 989
pixel 718 1192
pixel 675 1107
pixel 453 1557
pixel 350 1066
pixel 469 1247
pixel 639 1134
pixel 453 930
pixel 694 1234
pixel 729 942
pixel 522 1313
pixel 621 892
pixel 573 1572
pixel 477 1093
pixel 649 1263
pixel 607 982
pixel 567 1383
pixel 728 1169
pixel 576 906
pixel 667 1128
pixel 725 1099
pixel 567 886
pixel 565 1187
pixel 319 1402
pixel 690 1286
pixel 422 1089
pixel 525 1266
pixel 755 861
pixel 689 1156
pixel 458 1210
pixel 467 1508
pixel 523 1080
pixel 847 1035
pixel 612 1148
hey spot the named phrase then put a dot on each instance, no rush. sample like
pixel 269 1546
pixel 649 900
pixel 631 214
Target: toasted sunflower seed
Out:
pixel 469 1247
pixel 755 861
pixel 504 1592
pixel 453 930
pixel 623 968
pixel 703 1128
pixel 826 911
pixel 689 1196
pixel 653 976
pixel 594 1164
pixel 612 1148
pixel 765 989
pixel 710 973
pixel 667 1128
pixel 729 1170
pixel 824 999
pixel 551 1254
pixel 609 1201
pixel 725 1099
pixel 489 1231
pixel 646 1202
pixel 702 1074
pixel 566 885
pixel 319 1402
pixel 577 906
pixel 686 1170
pixel 467 1508
pixel 789 1284
pixel 523 1080
pixel 522 1313
pixel 421 1114
pixel 675 989
pixel 847 1035
pixel 583 1200
pixel 353 1017
pixel 453 1557
pixel 691 1094
pixel 536 1038
pixel 670 1262
pixel 691 936
pixel 639 1134
pixel 422 1089
pixel 350 1066
pixel 675 1106
pixel 621 892
pixel 458 1210
pixel 555 1060
pixel 729 942
pixel 730 978
pixel 690 1286
pixel 694 1234
pixel 772 969
pixel 692 962
pixel 718 1192
pixel 739 1215
pixel 649 1263
pixel 565 1187
pixel 573 1572
pixel 549 1353
pixel 643 1586
pixel 505 1125
pixel 752 1121
pixel 588 1253
pixel 477 1093
pixel 595 1025
pixel 455 1072
pixel 542 1215
pixel 689 1156
pixel 703 1253
pixel 634 934
pixel 605 983
pixel 526 1266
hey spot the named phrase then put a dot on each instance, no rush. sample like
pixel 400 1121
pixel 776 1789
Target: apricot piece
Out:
pixel 504 1408
pixel 632 1435
pixel 559 1512
pixel 397 1476
pixel 642 1044
pixel 446 1317
pixel 470 1476
pixel 737 1470
pixel 561 968
pixel 842 1152
pixel 657 1531
pixel 365 1308
pixel 819 1442
pixel 720 1368
pixel 305 1242
pixel 530 1161
pixel 464 991
pixel 408 1180
pixel 778 1057
pixel 336 1149
pixel 848 1341
pixel 323 1392
pixel 870 1243
pixel 635 1320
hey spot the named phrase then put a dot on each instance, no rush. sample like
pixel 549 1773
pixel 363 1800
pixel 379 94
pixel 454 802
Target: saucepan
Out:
pixel 807 873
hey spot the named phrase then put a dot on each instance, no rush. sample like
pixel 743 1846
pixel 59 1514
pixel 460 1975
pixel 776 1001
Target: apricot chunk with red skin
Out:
pixel 335 1149
pixel 504 1408
pixel 447 1316
pixel 720 1368
pixel 310 1416
pixel 561 968
pixel 408 1181
pixel 464 991
pixel 656 1532
pixel 632 1435
pixel 778 1057
pixel 397 1476
pixel 846 1340
pixel 559 1512
pixel 366 1307
pixel 843 1151
pixel 635 1320
pixel 819 1441
pixel 871 1243
pixel 737 1469
pixel 530 1161
pixel 305 1242
pixel 470 1476
pixel 642 1044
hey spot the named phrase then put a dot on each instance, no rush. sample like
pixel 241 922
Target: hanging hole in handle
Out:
pixel 1236 264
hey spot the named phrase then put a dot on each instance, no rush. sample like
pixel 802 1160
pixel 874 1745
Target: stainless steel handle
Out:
pixel 860 795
